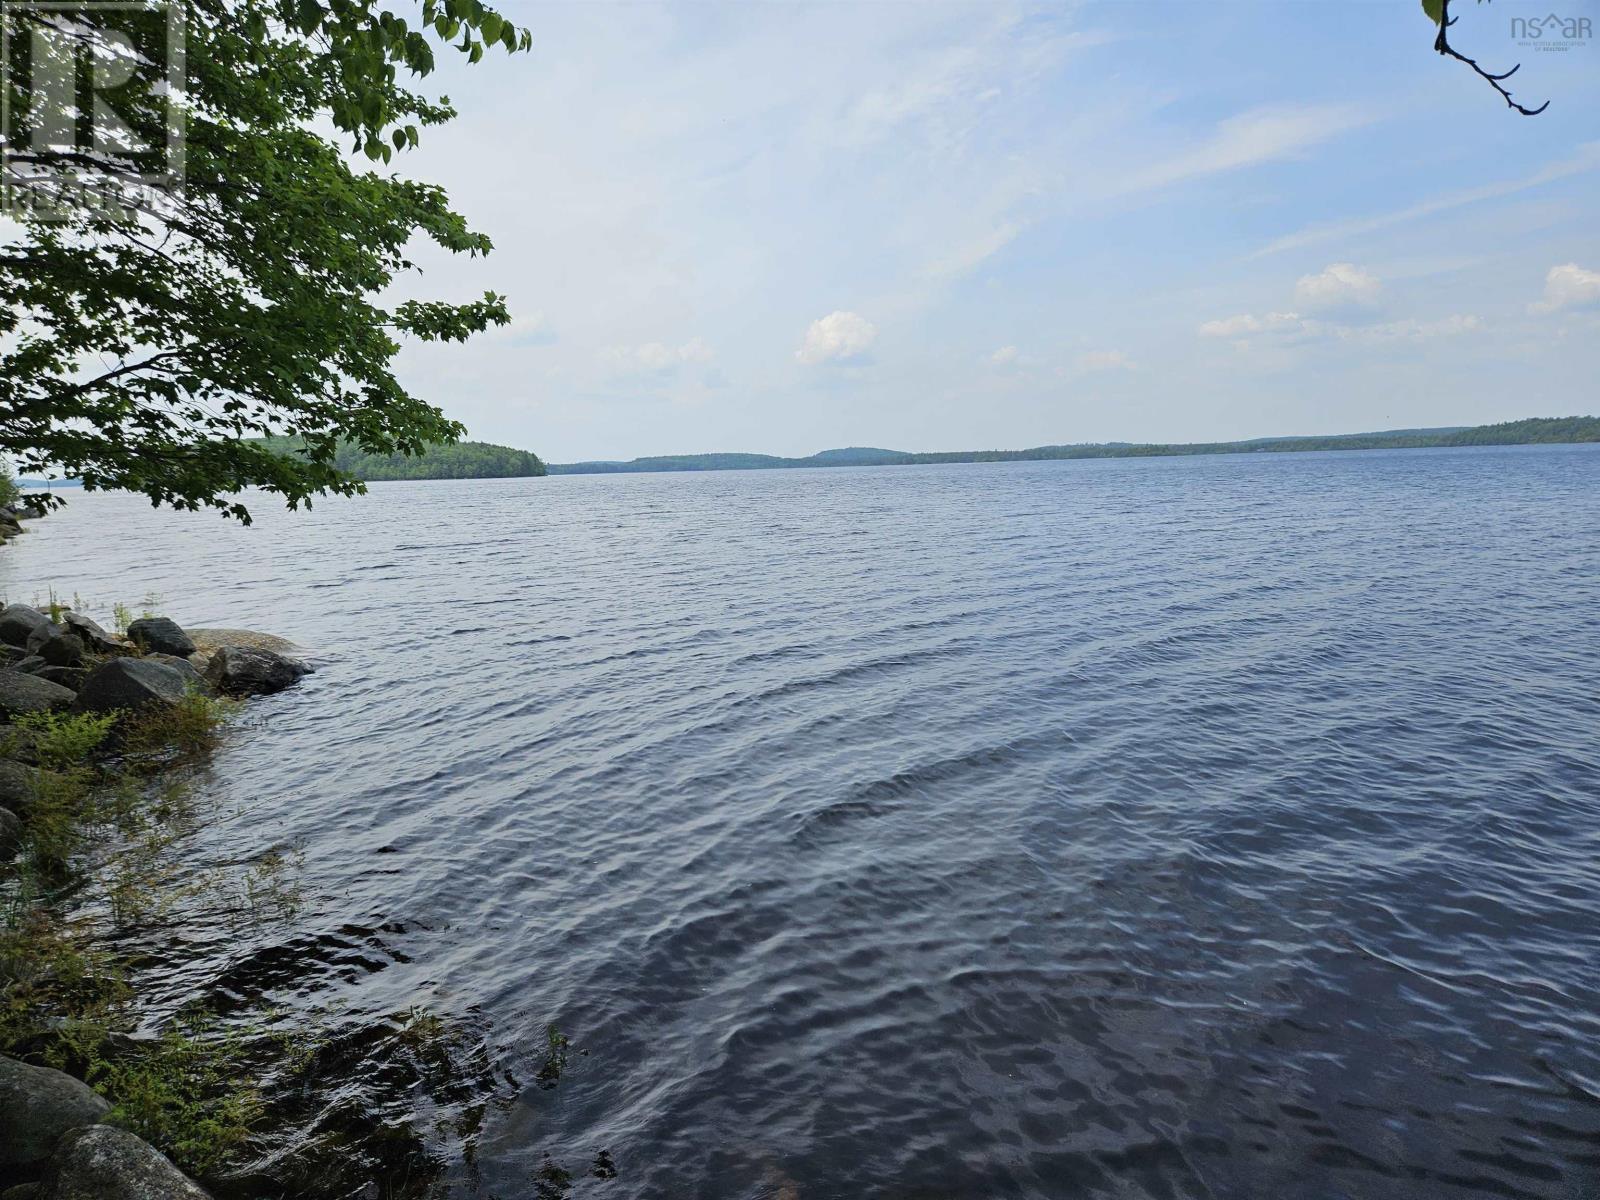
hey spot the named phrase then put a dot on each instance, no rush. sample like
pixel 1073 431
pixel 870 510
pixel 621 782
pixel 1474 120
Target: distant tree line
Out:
pixel 1509 433
pixel 458 460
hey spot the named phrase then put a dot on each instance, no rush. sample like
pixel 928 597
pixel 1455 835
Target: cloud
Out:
pixel 1105 360
pixel 656 358
pixel 1005 356
pixel 837 337
pixel 1337 287
pixel 531 330
pixel 1258 136
pixel 1569 286
pixel 1586 159
pixel 1287 328
pixel 1246 324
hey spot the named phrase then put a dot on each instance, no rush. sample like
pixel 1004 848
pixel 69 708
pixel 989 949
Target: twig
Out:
pixel 1443 46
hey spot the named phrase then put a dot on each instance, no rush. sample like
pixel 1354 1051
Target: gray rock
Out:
pixel 17 621
pixel 19 744
pixel 130 683
pixel 10 655
pixel 10 833
pixel 67 677
pixel 29 664
pixel 20 785
pixel 160 635
pixel 181 665
pixel 37 1106
pixel 21 1191
pixel 251 671
pixel 55 645
pixel 92 635
pixel 22 693
pixel 106 1163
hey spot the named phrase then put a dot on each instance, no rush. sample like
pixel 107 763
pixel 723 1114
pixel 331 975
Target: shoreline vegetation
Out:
pixel 104 737
pixel 110 1087
pixel 1533 431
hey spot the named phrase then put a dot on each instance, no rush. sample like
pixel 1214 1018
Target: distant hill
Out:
pixel 464 460
pixel 1510 433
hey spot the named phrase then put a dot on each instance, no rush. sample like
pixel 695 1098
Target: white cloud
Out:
pixel 1586 159
pixel 1005 356
pixel 1569 286
pixel 530 330
pixel 837 337
pixel 1288 327
pixel 656 357
pixel 1246 324
pixel 1338 286
pixel 1258 136
pixel 1105 360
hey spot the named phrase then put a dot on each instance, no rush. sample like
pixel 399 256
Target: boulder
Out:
pixel 67 677
pixel 56 645
pixel 106 1163
pixel 29 664
pixel 11 655
pixel 19 744
pixel 250 671
pixel 21 1191
pixel 216 638
pixel 37 1106
pixel 130 683
pixel 16 784
pixel 160 635
pixel 181 665
pixel 23 693
pixel 10 833
pixel 92 635
pixel 18 621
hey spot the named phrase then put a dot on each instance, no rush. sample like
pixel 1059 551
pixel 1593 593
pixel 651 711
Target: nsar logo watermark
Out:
pixel 91 106
pixel 1552 31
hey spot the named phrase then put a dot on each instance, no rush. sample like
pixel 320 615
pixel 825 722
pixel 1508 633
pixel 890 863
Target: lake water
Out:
pixel 1213 827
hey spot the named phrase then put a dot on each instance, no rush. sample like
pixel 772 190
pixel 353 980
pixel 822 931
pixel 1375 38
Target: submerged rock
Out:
pixel 37 1106
pixel 23 693
pixel 130 683
pixel 106 1163
pixel 17 623
pixel 160 635
pixel 251 671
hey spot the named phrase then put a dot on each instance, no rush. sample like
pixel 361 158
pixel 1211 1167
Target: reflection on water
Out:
pixel 1214 827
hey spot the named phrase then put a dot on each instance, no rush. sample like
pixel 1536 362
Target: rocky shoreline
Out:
pixel 59 1139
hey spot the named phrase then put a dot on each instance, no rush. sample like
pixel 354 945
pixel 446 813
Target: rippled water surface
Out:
pixel 1219 827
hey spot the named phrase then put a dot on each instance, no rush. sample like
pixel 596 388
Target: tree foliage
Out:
pixel 459 460
pixel 148 343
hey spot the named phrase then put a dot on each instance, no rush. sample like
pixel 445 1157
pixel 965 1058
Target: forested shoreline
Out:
pixel 1533 431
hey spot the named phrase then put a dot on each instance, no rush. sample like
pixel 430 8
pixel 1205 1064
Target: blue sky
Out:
pixel 786 227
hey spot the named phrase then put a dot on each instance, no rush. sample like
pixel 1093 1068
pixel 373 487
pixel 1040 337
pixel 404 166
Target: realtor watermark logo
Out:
pixel 91 106
pixel 1552 31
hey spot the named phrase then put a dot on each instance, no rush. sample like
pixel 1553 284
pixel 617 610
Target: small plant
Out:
pixel 66 740
pixel 189 728
pixel 121 618
pixel 186 1092
pixel 555 1057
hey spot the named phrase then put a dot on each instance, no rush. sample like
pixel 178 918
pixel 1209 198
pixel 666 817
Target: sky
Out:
pixel 783 227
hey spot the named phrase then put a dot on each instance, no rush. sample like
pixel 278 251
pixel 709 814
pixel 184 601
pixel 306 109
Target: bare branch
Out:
pixel 1443 46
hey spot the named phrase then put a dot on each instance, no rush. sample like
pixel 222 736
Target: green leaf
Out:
pixel 1434 10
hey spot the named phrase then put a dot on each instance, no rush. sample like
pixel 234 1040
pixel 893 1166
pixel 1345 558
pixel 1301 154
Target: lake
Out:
pixel 1200 827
